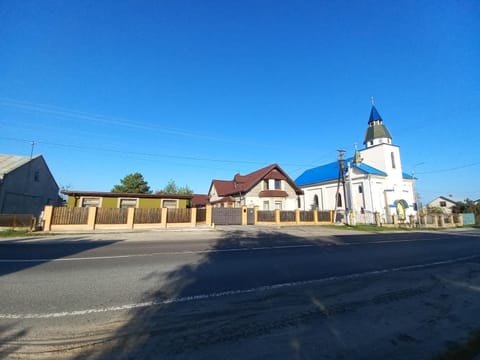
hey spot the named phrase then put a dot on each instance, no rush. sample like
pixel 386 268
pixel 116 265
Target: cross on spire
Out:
pixel 372 99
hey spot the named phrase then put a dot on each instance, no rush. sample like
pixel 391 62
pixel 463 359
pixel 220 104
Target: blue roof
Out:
pixel 408 176
pixel 374 115
pixel 370 169
pixel 330 171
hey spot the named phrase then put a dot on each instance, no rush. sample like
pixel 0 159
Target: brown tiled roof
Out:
pixel 223 200
pixel 273 193
pixel 244 183
pixel 126 195
pixel 199 200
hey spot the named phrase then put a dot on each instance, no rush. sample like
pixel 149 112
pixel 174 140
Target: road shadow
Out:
pixel 231 303
pixel 8 335
pixel 19 255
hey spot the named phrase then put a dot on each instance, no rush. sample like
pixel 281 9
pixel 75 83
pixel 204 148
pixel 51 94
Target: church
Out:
pixel 370 184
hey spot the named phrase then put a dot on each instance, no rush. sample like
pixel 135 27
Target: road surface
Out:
pixel 239 293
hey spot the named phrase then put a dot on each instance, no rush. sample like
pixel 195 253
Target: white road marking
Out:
pixel 233 292
pixel 185 252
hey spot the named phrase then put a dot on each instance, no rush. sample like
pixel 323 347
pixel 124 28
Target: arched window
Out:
pixel 339 200
pixel 315 202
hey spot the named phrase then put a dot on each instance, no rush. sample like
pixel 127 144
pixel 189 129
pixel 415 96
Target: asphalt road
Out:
pixel 208 294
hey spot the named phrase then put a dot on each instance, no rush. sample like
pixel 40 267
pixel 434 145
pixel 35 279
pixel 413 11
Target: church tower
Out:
pixel 377 133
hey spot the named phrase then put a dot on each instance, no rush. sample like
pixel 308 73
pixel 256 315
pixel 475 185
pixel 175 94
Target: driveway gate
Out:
pixel 227 216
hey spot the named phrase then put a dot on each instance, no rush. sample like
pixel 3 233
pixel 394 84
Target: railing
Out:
pixel 266 216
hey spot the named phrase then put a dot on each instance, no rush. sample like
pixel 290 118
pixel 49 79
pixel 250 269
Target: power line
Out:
pixel 134 153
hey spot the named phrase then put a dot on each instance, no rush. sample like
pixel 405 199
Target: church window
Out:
pixel 315 202
pixel 360 189
pixel 392 155
pixel 339 200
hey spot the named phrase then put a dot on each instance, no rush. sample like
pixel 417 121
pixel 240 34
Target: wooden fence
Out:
pixel 63 218
pixel 17 221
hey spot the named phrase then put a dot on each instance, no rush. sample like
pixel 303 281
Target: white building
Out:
pixel 374 181
pixel 268 188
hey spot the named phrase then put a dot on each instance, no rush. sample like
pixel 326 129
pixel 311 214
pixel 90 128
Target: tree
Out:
pixel 171 188
pixel 133 183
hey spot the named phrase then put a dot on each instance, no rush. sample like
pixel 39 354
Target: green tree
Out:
pixel 172 188
pixel 132 183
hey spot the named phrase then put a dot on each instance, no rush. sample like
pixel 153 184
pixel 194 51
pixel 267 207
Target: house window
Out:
pixel 278 185
pixel 315 202
pixel 36 176
pixel 278 205
pixel 443 203
pixel 127 203
pixel 91 202
pixel 265 184
pixel 392 155
pixel 360 189
pixel 170 204
pixel 266 205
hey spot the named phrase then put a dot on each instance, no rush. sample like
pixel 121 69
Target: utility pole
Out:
pixel 31 151
pixel 341 178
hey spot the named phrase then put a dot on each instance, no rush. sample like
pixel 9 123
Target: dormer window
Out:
pixel 265 185
pixel 278 184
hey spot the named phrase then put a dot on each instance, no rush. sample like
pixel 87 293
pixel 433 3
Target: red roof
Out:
pixel 199 200
pixel 273 193
pixel 244 183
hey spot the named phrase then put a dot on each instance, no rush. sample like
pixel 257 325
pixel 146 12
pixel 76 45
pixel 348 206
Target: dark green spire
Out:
pixel 376 129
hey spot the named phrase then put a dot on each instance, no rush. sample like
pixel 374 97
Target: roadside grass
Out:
pixel 17 233
pixel 378 228
pixel 468 349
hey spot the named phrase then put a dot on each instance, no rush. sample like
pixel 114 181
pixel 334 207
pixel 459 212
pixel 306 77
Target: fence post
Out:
pixel 244 215
pixel 164 217
pixel 442 220
pixel 451 220
pixel 92 217
pixel 315 216
pixel 255 215
pixel 208 215
pixel 297 216
pixel 460 220
pixel 435 220
pixel 193 219
pixel 277 216
pixel 395 219
pixel 47 218
pixel 377 218
pixel 130 217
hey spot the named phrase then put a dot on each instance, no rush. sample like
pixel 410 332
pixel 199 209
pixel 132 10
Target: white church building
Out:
pixel 372 182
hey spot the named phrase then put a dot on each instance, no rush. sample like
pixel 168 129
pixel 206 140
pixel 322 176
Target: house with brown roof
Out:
pixel 269 188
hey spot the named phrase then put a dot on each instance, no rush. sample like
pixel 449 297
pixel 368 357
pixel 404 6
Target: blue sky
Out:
pixel 200 90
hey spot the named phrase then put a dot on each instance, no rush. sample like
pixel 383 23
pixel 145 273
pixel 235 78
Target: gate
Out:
pixel 227 216
pixel 250 216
